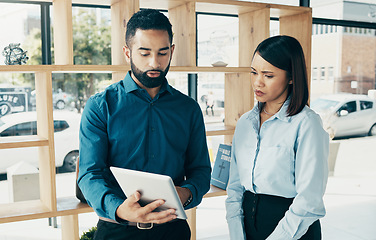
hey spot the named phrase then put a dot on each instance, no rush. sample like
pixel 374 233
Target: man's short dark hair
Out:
pixel 147 19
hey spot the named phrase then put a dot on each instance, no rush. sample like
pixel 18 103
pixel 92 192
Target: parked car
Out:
pixel 347 114
pixel 60 99
pixel 66 127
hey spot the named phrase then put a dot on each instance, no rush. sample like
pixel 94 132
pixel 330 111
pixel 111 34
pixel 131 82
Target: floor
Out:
pixel 350 201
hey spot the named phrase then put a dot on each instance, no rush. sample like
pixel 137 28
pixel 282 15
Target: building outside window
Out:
pixel 330 74
pixel 314 74
pixel 322 74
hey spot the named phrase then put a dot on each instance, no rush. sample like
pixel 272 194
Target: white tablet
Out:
pixel 151 186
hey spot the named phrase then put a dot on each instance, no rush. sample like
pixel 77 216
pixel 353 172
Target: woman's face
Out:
pixel 269 83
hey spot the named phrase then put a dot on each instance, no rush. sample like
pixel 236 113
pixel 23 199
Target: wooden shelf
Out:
pixel 22 141
pixel 71 205
pixel 64 68
pixel 219 130
pixel 110 68
pixel 215 192
pixel 234 7
pixel 21 211
pixel 211 69
pixel 34 209
pixel 240 7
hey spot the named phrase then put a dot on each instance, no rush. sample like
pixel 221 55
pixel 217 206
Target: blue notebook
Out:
pixel 221 169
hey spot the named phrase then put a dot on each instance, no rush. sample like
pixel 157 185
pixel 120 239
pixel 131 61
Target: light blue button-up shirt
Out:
pixel 286 157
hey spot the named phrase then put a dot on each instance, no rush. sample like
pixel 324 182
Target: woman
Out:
pixel 279 166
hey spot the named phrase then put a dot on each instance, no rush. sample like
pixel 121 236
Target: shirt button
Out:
pixel 152 129
pixel 152 156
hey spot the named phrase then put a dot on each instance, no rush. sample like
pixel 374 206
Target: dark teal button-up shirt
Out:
pixel 123 127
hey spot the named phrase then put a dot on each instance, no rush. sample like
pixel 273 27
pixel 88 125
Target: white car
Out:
pixel 66 128
pixel 347 114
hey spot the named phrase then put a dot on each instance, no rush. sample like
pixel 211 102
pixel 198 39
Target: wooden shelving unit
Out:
pixel 254 20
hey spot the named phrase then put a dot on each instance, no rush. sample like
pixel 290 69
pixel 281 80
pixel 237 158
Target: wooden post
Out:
pixel 70 227
pixel 300 27
pixel 63 32
pixel 183 20
pixel 45 128
pixel 238 98
pixel 253 29
pixel 121 12
pixel 191 214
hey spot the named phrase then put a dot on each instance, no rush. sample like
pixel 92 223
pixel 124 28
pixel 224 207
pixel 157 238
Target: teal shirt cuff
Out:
pixel 194 195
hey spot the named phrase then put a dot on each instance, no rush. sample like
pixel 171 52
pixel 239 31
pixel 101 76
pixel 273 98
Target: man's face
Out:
pixel 150 56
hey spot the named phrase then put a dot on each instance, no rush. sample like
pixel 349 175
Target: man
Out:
pixel 142 123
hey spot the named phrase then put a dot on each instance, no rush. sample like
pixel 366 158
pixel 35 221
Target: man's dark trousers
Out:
pixel 176 230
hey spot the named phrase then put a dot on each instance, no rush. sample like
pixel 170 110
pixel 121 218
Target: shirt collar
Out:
pixel 130 85
pixel 281 114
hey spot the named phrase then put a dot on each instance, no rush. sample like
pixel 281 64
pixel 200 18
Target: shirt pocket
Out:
pixel 275 165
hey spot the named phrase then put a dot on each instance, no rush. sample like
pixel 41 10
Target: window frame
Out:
pixel 192 77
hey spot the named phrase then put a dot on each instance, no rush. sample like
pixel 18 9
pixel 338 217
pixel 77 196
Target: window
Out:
pixel 211 87
pixel 24 27
pixel 330 74
pixel 217 40
pixel 217 43
pixel 91 35
pixel 30 128
pixel 322 74
pixel 365 105
pixel 21 129
pixel 314 74
pixel 349 107
pixel 60 125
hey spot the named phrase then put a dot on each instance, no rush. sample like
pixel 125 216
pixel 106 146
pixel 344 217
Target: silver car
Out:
pixel 347 114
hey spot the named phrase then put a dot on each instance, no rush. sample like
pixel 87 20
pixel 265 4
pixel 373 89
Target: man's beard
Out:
pixel 149 82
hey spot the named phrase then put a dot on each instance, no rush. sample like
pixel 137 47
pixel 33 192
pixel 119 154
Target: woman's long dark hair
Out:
pixel 286 53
